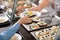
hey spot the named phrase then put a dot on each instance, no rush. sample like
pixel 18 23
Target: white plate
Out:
pixel 35 12
pixel 17 36
pixel 4 19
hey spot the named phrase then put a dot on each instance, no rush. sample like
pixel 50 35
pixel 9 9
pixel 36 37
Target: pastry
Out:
pixel 42 24
pixel 37 34
pixel 30 14
pixel 34 26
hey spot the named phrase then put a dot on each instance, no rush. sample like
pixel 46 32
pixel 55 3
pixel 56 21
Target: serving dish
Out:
pixel 46 34
pixel 42 24
pixel 4 21
pixel 33 13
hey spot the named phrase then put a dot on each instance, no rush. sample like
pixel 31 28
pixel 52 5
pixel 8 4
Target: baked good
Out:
pixel 42 24
pixel 34 26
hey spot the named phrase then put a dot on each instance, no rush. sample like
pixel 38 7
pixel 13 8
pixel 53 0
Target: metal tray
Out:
pixel 44 33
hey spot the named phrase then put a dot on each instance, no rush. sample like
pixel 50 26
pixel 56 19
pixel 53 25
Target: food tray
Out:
pixel 55 22
pixel 46 34
pixel 47 26
pixel 33 26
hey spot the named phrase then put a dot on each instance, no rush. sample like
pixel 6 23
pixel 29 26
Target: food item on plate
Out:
pixel 55 28
pixel 34 26
pixel 30 14
pixel 2 20
pixel 42 24
pixel 36 19
pixel 50 38
pixel 47 33
pixel 37 34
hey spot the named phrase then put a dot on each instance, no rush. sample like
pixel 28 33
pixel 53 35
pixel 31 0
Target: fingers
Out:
pixel 19 7
pixel 32 9
pixel 27 20
pixel 29 9
pixel 30 20
pixel 28 17
pixel 25 17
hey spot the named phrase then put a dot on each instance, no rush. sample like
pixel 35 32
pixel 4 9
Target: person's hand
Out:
pixel 25 20
pixel 19 8
pixel 32 9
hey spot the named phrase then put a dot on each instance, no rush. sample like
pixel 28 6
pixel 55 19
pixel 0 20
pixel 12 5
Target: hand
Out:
pixel 25 20
pixel 19 8
pixel 32 9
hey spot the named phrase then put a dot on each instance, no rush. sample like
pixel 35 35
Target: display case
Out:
pixel 41 28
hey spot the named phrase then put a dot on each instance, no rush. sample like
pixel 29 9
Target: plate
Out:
pixel 35 12
pixel 3 19
pixel 17 36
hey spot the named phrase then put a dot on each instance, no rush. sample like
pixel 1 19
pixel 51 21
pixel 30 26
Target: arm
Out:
pixel 7 34
pixel 42 5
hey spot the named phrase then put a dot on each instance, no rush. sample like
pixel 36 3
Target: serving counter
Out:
pixel 26 34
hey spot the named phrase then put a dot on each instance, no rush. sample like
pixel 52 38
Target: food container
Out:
pixel 46 34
